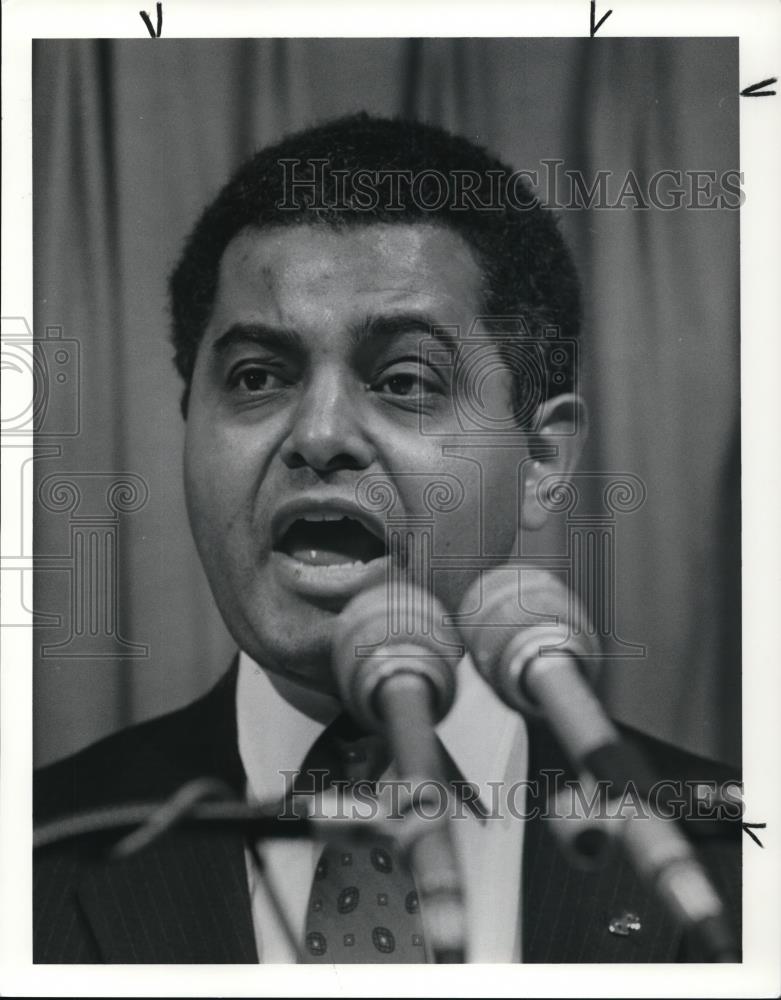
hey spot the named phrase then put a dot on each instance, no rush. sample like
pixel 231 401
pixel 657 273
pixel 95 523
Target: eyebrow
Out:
pixel 279 338
pixel 371 329
pixel 375 328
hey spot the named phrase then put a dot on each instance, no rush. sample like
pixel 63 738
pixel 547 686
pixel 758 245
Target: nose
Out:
pixel 327 433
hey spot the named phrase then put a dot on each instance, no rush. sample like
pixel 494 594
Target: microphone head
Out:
pixel 510 617
pixel 387 631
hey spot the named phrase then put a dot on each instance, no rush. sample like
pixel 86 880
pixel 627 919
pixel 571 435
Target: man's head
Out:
pixel 305 307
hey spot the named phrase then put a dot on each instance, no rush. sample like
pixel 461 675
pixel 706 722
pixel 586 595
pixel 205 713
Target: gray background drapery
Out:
pixel 130 140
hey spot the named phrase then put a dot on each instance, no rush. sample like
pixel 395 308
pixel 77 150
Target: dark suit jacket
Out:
pixel 185 898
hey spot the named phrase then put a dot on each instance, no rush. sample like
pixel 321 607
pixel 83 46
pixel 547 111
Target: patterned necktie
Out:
pixel 363 906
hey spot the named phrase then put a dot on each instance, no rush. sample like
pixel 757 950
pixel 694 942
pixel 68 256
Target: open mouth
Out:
pixel 330 540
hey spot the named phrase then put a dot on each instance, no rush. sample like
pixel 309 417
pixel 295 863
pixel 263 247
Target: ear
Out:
pixel 554 449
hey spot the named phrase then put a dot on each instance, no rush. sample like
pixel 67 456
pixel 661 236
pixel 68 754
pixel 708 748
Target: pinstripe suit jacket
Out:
pixel 185 898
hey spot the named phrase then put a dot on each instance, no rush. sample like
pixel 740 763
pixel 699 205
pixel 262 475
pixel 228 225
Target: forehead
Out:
pixel 300 274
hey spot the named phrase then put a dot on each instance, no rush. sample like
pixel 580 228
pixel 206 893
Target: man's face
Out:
pixel 309 378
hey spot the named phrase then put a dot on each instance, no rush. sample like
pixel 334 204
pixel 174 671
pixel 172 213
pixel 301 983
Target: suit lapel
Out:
pixel 569 915
pixel 184 898
pixel 603 916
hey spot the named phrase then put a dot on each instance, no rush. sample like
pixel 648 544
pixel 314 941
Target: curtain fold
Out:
pixel 663 367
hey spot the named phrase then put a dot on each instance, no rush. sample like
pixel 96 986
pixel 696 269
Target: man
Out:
pixel 323 309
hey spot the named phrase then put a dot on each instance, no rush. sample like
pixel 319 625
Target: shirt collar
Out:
pixel 480 732
pixel 278 722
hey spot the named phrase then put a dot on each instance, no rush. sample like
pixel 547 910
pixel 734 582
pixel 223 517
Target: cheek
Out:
pixel 487 518
pixel 199 496
pixel 213 486
pixel 469 495
pixel 503 504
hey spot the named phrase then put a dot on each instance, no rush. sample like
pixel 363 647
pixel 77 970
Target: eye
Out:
pixel 402 384
pixel 257 379
pixel 406 382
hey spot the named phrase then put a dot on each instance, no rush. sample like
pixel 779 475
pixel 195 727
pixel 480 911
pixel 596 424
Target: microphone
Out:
pixel 545 666
pixel 397 678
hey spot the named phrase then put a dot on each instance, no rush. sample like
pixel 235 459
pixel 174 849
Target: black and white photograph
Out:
pixel 382 486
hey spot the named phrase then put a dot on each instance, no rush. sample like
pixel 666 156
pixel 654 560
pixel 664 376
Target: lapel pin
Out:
pixel 626 924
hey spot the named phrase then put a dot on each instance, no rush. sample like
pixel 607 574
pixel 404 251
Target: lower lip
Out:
pixel 335 582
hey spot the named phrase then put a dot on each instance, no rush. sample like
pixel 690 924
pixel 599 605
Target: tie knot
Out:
pixel 346 752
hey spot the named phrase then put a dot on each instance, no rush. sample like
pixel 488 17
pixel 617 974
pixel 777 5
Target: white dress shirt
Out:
pixel 278 721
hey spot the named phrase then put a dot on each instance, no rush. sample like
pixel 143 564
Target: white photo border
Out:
pixel 758 26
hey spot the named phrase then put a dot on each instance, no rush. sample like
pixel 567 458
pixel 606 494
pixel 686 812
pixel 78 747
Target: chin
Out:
pixel 297 647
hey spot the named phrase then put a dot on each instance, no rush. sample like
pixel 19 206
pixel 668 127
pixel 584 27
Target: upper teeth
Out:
pixel 322 517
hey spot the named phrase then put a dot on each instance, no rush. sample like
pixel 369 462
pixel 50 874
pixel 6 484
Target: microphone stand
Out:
pixel 428 841
pixel 143 822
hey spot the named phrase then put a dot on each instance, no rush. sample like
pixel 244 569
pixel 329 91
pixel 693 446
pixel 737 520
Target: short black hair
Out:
pixel 528 270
